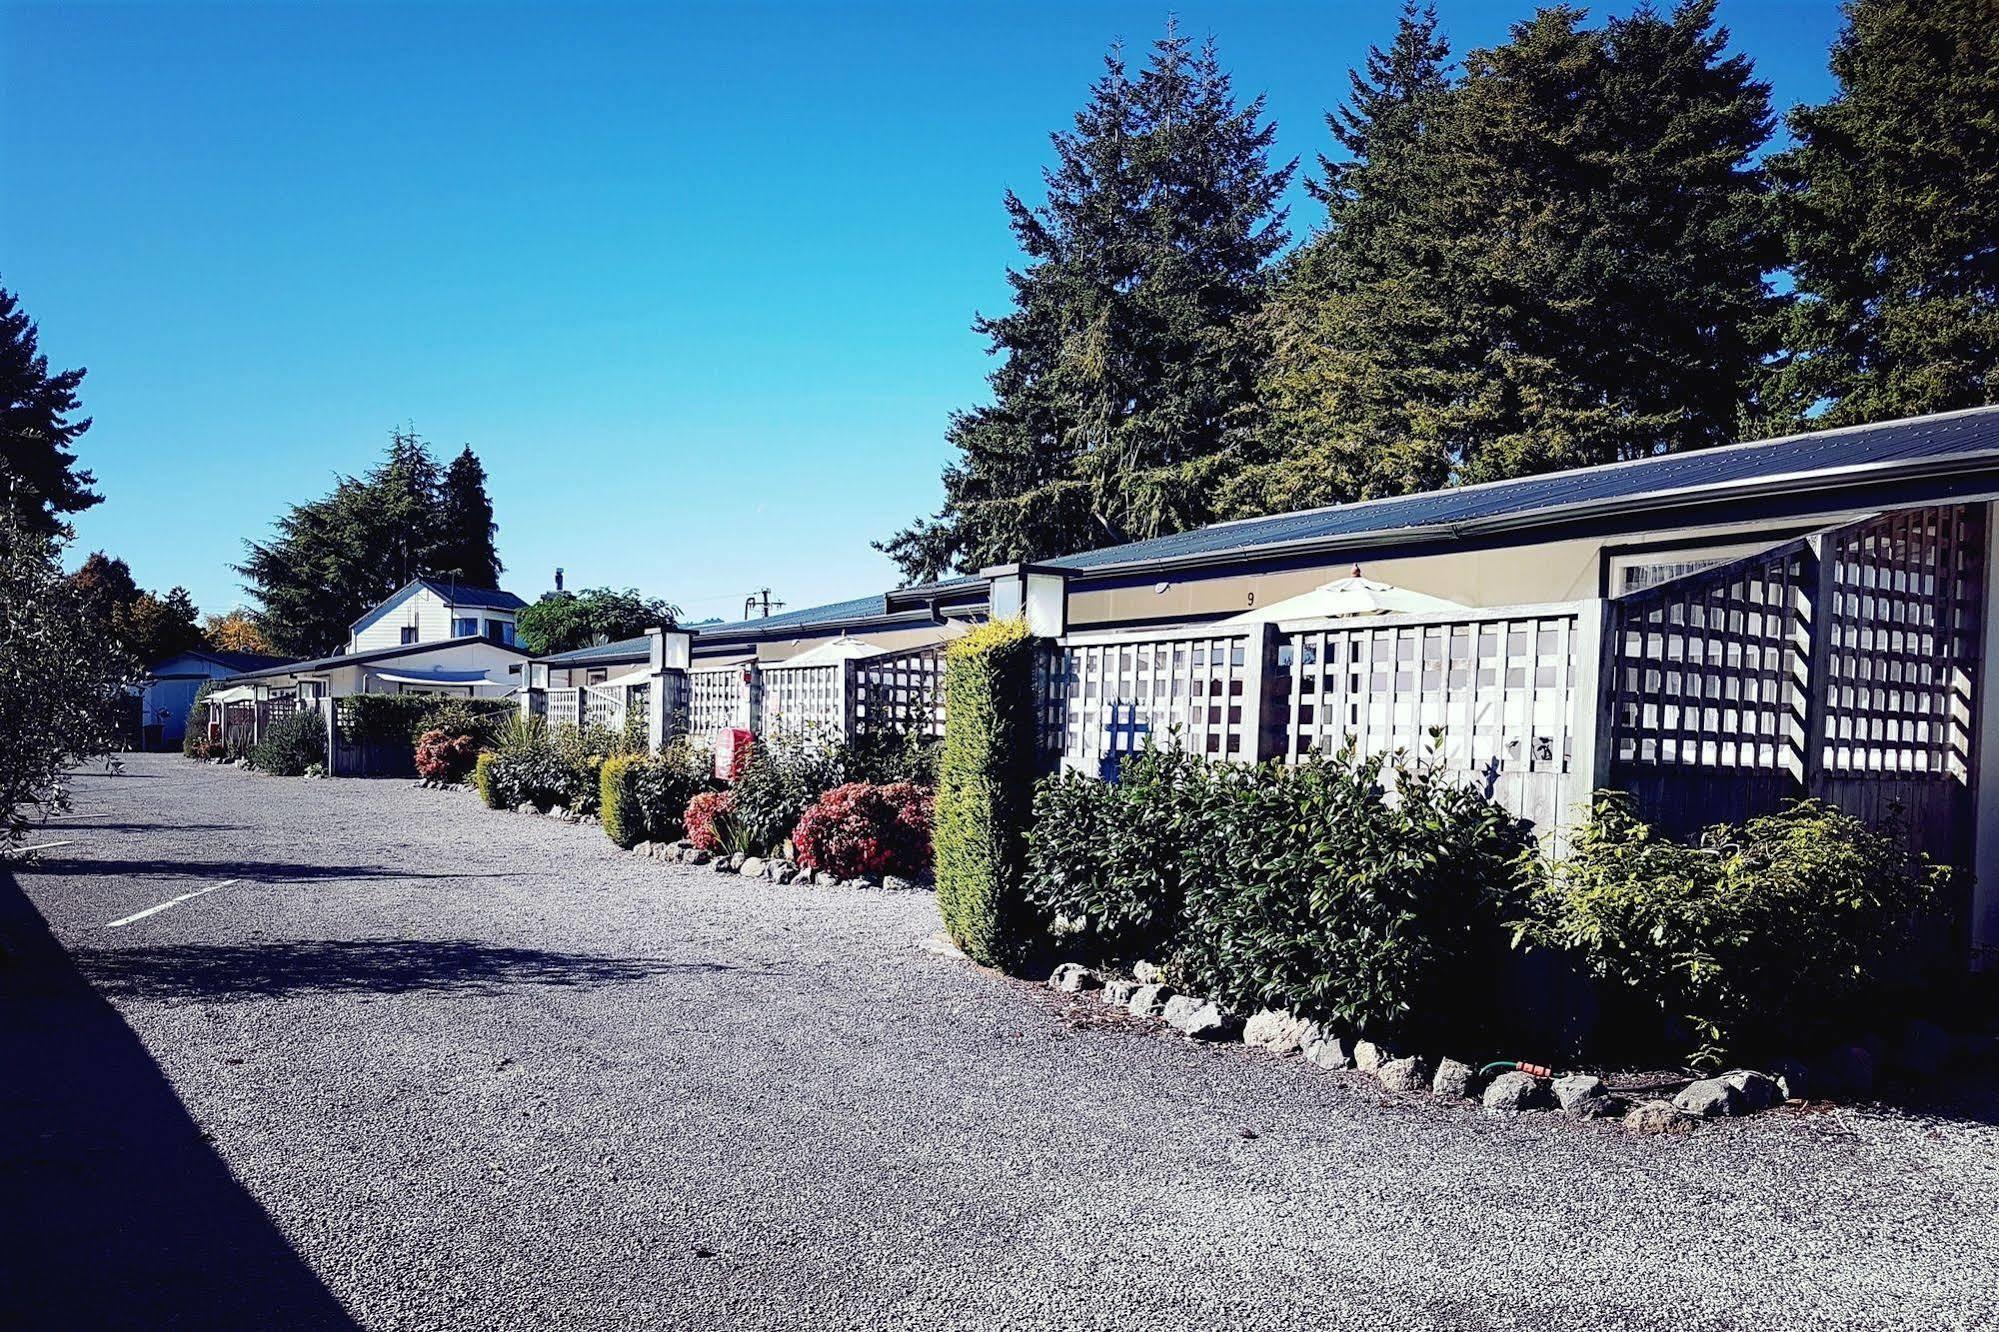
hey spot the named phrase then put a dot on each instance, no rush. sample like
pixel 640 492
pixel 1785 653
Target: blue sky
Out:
pixel 695 281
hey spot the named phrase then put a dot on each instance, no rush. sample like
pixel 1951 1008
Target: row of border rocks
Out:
pixel 1921 1051
pixel 560 813
pixel 776 869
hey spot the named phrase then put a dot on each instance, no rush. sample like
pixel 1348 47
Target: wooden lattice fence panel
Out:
pixel 715 697
pixel 1708 670
pixel 565 706
pixel 799 700
pixel 1485 694
pixel 898 693
pixel 1193 689
pixel 1904 639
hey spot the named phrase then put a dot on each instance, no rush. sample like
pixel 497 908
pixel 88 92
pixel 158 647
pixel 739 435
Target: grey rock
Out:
pixel 1368 1057
pixel 1329 1052
pixel 1408 1074
pixel 694 855
pixel 1203 1020
pixel 895 883
pixel 1149 1000
pixel 1454 1079
pixel 1512 1091
pixel 642 848
pixel 1756 1091
pixel 1710 1098
pixel 526 807
pixel 1582 1095
pixel 1656 1116
pixel 783 872
pixel 753 867
pixel 1073 978
pixel 736 860
pixel 1118 992
pixel 1148 973
pixel 1279 1032
pixel 1922 1050
pixel 558 811
pixel 721 865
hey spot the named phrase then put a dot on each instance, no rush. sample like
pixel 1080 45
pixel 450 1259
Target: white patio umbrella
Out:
pixel 1346 596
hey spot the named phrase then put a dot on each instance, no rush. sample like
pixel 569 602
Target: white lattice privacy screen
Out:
pixel 1492 694
pixel 1192 689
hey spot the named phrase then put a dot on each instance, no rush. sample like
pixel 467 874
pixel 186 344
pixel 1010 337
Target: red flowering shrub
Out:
pixel 863 829
pixel 707 819
pixel 444 757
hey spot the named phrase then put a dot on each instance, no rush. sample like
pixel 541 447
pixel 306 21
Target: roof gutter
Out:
pixel 1798 483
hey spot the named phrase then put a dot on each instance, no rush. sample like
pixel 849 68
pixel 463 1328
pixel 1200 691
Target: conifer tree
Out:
pixel 468 551
pixel 1125 360
pixel 40 483
pixel 1890 204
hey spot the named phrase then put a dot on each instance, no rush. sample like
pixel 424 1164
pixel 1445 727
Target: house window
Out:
pixel 596 677
pixel 500 631
pixel 409 633
pixel 465 626
pixel 1637 571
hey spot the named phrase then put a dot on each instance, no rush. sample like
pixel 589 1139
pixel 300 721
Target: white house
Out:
pixel 429 637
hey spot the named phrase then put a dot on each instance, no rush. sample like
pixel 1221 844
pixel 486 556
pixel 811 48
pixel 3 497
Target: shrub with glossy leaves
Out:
pixel 1758 936
pixel 291 745
pixel 644 797
pixel 861 828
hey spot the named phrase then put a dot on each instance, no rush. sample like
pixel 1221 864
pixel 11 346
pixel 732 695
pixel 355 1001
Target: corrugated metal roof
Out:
pixel 339 659
pixel 624 649
pixel 1913 439
pixel 491 598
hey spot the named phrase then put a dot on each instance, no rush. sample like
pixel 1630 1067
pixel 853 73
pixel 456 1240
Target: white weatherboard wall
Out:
pixel 420 607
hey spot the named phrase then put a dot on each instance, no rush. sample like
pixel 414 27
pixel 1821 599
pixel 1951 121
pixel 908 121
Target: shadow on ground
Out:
pixel 375 966
pixel 114 1213
pixel 258 871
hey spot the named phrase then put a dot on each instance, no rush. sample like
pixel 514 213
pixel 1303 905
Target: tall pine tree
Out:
pixel 468 552
pixel 1890 200
pixel 1126 361
pixel 332 558
pixel 40 483
pixel 1556 262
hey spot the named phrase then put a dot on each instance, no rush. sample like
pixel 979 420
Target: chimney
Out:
pixel 558 578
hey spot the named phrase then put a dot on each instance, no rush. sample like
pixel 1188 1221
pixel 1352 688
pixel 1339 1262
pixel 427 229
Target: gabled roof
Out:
pixel 377 654
pixel 1853 457
pixel 454 594
pixel 234 661
pixel 885 609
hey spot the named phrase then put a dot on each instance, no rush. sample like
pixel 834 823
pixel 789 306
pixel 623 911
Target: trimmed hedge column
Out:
pixel 985 786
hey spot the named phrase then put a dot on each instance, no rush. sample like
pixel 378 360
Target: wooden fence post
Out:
pixel 1594 708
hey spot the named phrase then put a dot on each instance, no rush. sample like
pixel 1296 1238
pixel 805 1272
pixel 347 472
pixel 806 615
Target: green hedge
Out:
pixel 984 787
pixel 401 719
pixel 643 797
pixel 1760 938
pixel 484 781
pixel 194 741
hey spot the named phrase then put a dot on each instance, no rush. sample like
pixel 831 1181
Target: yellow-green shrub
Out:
pixel 482 778
pixel 984 789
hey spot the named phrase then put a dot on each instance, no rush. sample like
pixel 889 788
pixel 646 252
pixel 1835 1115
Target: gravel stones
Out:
pixel 1513 1091
pixel 1279 1032
pixel 1582 1096
pixel 1454 1079
pixel 1073 978
pixel 1709 1098
pixel 1408 1074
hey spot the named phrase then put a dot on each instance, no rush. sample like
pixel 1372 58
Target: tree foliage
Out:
pixel 236 632
pixel 1889 197
pixel 332 558
pixel 1555 260
pixel 564 621
pixel 1126 358
pixel 143 627
pixel 40 483
pixel 59 676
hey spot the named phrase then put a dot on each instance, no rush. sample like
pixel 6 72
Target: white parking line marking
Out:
pixel 44 846
pixel 141 915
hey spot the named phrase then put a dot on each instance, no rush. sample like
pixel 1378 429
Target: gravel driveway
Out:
pixel 405 1063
